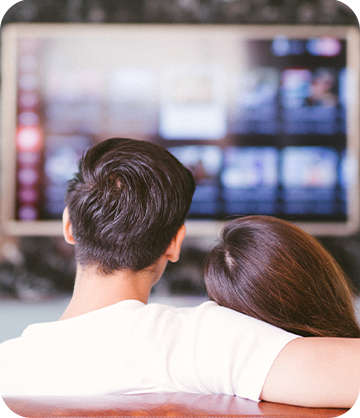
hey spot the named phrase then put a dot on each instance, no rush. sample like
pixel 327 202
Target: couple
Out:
pixel 288 299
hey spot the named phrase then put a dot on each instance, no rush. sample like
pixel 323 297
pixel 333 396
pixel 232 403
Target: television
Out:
pixel 266 117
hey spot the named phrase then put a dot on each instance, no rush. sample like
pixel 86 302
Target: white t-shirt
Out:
pixel 131 347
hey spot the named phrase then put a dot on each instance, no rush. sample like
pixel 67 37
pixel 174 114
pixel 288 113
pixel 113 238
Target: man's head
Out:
pixel 126 203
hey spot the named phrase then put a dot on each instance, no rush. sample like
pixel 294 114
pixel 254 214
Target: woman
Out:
pixel 274 271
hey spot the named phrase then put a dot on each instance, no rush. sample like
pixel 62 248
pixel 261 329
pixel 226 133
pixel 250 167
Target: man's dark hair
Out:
pixel 126 203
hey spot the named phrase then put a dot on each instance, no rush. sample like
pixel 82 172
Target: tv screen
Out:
pixel 266 117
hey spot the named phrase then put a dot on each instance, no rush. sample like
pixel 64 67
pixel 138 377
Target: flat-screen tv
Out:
pixel 266 117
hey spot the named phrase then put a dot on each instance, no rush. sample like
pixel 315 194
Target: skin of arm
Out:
pixel 315 372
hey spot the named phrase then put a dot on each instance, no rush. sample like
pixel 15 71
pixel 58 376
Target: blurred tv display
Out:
pixel 266 117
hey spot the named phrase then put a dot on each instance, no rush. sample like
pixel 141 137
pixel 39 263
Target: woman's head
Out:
pixel 274 271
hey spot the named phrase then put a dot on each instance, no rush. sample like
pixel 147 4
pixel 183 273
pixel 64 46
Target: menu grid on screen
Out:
pixel 261 118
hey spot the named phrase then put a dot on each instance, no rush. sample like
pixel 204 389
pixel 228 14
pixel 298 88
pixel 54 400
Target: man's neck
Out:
pixel 93 290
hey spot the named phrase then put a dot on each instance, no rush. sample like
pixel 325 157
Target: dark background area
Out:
pixel 183 11
pixel 45 266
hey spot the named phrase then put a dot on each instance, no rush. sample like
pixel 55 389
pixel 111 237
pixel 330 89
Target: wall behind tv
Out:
pixel 45 265
pixel 187 11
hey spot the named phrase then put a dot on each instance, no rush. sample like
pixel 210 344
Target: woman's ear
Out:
pixel 173 251
pixel 67 228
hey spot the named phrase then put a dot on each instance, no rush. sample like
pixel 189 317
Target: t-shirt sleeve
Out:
pixel 231 353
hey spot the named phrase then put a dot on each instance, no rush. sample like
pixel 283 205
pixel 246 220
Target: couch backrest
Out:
pixel 173 405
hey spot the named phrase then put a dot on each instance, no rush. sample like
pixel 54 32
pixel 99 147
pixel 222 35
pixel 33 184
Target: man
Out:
pixel 125 215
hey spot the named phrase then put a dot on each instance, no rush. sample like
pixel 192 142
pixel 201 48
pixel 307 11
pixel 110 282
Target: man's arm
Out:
pixel 315 372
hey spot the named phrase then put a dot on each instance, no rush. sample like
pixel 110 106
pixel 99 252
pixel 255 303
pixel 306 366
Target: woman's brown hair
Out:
pixel 274 271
